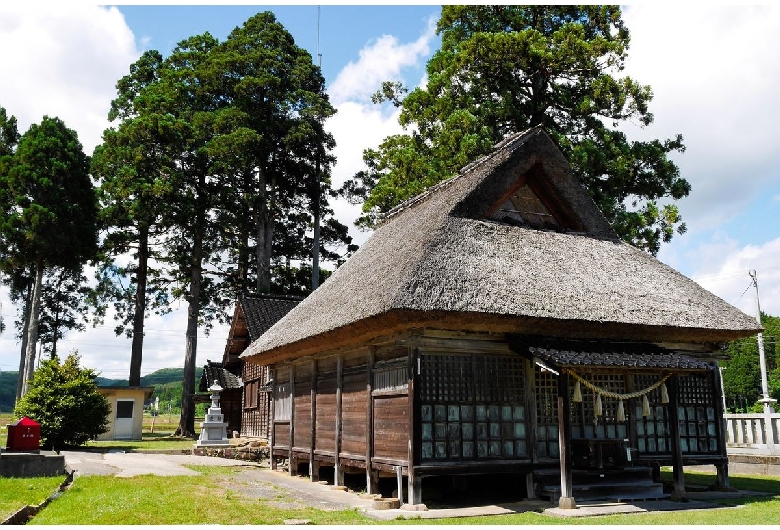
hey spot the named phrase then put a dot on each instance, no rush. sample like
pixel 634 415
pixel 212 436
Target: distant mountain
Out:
pixel 166 383
pixel 160 377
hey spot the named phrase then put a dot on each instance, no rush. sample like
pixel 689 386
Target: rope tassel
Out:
pixel 664 394
pixel 645 407
pixel 577 398
pixel 598 410
pixel 621 412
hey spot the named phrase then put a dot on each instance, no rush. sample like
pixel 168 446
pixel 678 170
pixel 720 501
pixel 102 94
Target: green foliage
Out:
pixel 742 372
pixel 7 390
pixel 64 399
pixel 505 69
pixel 52 219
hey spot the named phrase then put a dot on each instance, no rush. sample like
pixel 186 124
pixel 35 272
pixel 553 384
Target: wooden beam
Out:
pixel 722 480
pixel 414 485
pixel 564 443
pixel 674 433
pixel 530 419
pixel 338 472
pixel 371 485
pixel 272 417
pixel 313 471
pixel 291 461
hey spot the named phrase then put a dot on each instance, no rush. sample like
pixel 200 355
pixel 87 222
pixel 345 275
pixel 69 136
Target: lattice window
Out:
pixel 696 414
pixel 546 413
pixel 652 432
pixel 472 407
pixel 387 379
pixel 585 423
pixel 250 394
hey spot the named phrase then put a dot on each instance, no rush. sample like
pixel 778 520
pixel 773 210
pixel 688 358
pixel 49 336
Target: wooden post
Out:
pixel 399 477
pixel 338 473
pixel 271 416
pixel 722 468
pixel 674 433
pixel 291 461
pixel 371 485
pixel 530 419
pixel 414 485
pixel 313 470
pixel 564 443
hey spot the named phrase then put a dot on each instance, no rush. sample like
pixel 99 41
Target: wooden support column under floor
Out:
pixel 674 432
pixel 564 443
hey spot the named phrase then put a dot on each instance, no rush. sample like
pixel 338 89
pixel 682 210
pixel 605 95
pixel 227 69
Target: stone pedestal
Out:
pixel 213 431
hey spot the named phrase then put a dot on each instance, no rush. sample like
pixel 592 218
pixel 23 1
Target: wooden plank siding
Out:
pixel 302 408
pixel 353 412
pixel 391 431
pixel 325 440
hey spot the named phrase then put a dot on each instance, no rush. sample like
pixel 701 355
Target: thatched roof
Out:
pixel 457 257
pixel 254 315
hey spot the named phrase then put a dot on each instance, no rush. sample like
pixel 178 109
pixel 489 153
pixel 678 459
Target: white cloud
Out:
pixel 715 75
pixel 723 267
pixel 381 61
pixel 63 60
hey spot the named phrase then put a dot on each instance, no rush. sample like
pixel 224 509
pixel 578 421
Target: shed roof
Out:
pixel 448 259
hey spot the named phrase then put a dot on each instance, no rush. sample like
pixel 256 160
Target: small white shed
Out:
pixel 127 407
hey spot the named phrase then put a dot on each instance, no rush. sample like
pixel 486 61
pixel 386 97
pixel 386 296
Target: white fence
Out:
pixel 756 433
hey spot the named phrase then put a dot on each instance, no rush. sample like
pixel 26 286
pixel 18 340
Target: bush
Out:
pixel 65 400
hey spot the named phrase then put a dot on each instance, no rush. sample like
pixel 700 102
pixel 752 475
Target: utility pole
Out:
pixel 766 400
pixel 315 259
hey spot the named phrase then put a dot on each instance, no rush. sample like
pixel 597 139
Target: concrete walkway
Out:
pixel 255 480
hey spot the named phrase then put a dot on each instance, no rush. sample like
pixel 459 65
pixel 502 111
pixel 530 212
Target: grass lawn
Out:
pixel 15 493
pixel 204 499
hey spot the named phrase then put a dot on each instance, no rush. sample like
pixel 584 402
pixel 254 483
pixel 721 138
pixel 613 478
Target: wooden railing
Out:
pixel 757 433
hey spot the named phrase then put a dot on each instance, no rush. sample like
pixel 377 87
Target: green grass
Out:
pixel 206 499
pixel 15 493
pixel 174 500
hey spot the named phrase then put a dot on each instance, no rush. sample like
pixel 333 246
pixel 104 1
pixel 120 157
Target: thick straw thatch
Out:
pixel 438 261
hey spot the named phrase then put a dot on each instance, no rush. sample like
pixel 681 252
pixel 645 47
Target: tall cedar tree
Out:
pixel 133 193
pixel 504 69
pixel 52 218
pixel 9 137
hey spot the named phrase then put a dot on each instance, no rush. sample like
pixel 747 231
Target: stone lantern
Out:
pixel 213 431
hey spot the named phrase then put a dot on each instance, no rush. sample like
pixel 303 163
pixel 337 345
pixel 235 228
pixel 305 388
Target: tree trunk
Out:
pixel 23 352
pixel 32 331
pixel 136 354
pixel 315 253
pixel 187 420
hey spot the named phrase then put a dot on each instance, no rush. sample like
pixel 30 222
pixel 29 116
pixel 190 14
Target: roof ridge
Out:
pixel 271 296
pixel 421 197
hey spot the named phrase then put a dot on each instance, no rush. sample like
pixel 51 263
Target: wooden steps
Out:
pixel 629 484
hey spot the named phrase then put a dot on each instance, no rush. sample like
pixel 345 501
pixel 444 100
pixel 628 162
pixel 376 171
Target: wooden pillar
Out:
pixel 564 443
pixel 271 417
pixel 722 468
pixel 674 433
pixel 338 473
pixel 292 464
pixel 314 472
pixel 371 482
pixel 530 418
pixel 414 485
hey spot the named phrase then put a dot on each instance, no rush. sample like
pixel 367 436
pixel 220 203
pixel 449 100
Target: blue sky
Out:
pixel 722 97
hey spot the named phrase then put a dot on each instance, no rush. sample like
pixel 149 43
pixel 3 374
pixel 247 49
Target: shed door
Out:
pixel 123 425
